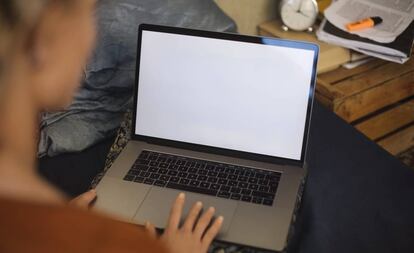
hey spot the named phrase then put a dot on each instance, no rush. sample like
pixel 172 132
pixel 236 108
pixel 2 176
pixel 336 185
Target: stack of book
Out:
pixel 397 51
pixel 391 39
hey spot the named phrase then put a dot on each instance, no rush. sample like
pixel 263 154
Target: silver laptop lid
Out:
pixel 224 93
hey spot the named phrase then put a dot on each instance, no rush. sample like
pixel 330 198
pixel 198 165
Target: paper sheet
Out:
pixel 396 15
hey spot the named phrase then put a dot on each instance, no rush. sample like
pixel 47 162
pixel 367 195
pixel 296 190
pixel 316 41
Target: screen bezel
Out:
pixel 231 37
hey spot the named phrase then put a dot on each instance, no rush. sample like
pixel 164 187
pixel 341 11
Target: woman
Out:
pixel 43 46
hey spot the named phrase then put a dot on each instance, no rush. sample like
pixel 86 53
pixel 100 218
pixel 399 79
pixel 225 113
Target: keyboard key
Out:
pixel 215 186
pixel 232 183
pixel 222 181
pixel 253 186
pixel 182 174
pixel 160 183
pixel 248 173
pixel 237 171
pixel 235 190
pixel 263 188
pixel 192 170
pixel 235 196
pixel 194 183
pixel 273 189
pixel 212 174
pixel 180 162
pixel 229 170
pixel 246 198
pixel 172 172
pixel 203 172
pixel 129 178
pixel 161 159
pixel 242 179
pixel 253 180
pixel 232 177
pixel 220 169
pixel 202 178
pixel 257 200
pixel 173 167
pixel 144 154
pixel 149 181
pixel 225 188
pixel 184 181
pixel 212 180
pixel 259 175
pixel 273 184
pixel 262 194
pixel 205 185
pixel 141 167
pixel 165 178
pixel 267 202
pixel 175 179
pixel 139 179
pixel 164 165
pixel 162 171
pixel 222 175
pixel 133 172
pixel 182 168
pixel 246 191
pixel 144 174
pixel 142 162
pixel 243 184
pixel 210 167
pixel 153 169
pixel 191 189
pixel 223 194
pixel 263 182
pixel 153 163
pixel 192 176
pixel 155 176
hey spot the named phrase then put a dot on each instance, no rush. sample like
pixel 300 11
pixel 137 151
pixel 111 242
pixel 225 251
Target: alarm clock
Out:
pixel 298 15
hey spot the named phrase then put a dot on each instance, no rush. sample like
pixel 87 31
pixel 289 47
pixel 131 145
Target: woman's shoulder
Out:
pixel 34 227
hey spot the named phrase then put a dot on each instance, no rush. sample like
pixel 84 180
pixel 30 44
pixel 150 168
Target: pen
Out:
pixel 363 24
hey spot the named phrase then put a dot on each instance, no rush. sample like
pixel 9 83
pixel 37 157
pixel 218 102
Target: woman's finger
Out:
pixel 84 200
pixel 212 232
pixel 175 214
pixel 203 222
pixel 151 230
pixel 192 216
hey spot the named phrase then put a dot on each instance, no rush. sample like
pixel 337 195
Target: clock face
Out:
pixel 298 15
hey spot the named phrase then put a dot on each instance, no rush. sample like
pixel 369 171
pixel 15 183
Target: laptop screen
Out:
pixel 226 94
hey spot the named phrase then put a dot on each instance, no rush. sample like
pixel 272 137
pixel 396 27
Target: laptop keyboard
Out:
pixel 205 177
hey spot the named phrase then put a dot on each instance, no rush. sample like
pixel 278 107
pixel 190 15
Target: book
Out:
pixel 398 50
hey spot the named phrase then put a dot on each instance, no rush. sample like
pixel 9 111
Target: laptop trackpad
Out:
pixel 156 207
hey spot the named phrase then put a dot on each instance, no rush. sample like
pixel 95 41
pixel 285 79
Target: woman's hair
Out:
pixel 16 19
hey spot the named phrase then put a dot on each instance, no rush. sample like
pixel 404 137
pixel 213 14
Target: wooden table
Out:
pixel 377 98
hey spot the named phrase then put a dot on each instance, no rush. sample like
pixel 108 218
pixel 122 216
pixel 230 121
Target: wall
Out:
pixel 249 13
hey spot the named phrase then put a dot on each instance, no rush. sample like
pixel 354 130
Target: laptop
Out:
pixel 225 119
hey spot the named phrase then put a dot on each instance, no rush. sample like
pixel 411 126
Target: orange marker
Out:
pixel 363 24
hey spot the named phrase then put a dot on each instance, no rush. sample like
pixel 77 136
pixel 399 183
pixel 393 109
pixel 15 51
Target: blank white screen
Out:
pixel 234 95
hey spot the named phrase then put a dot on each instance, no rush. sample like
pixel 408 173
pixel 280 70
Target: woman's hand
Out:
pixel 195 235
pixel 84 200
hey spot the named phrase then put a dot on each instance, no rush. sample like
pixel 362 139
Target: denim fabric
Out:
pixel 106 92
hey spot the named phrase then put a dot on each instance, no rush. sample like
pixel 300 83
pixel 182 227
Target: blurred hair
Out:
pixel 17 18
